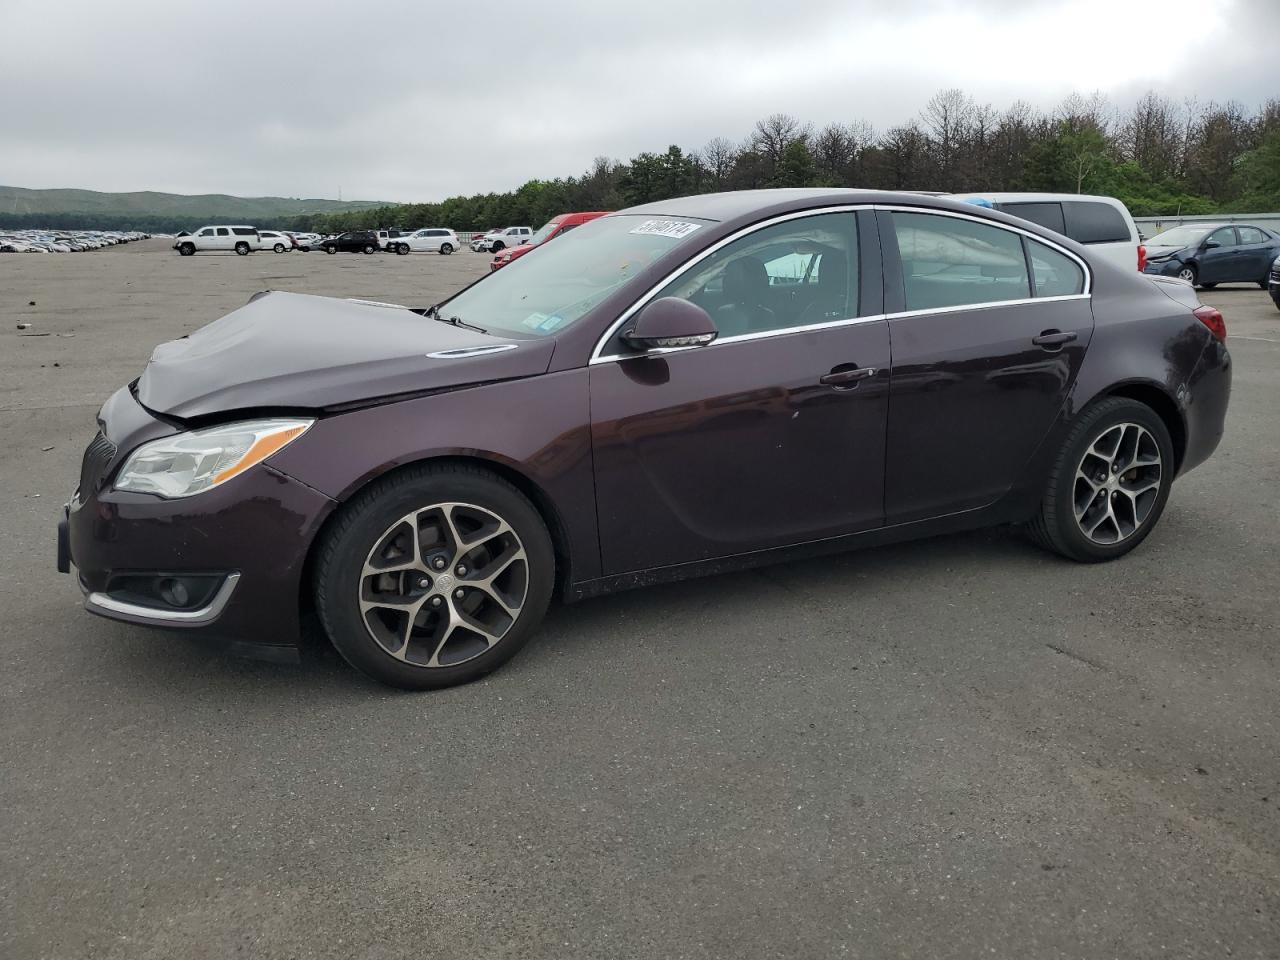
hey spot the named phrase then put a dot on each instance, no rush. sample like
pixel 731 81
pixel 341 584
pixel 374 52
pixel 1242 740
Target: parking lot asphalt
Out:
pixel 954 748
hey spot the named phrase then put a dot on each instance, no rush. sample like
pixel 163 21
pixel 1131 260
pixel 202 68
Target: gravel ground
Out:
pixel 952 748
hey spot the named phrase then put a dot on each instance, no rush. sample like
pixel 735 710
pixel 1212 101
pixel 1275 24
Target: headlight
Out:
pixel 189 463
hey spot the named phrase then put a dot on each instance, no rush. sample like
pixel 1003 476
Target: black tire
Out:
pixel 370 248
pixel 497 246
pixel 1190 274
pixel 242 249
pixel 187 249
pixel 402 249
pixel 1207 286
pixel 446 248
pixel 1054 526
pixel 278 248
pixel 330 248
pixel 363 522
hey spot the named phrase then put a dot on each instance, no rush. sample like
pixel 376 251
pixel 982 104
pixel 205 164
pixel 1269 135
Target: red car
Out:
pixel 552 228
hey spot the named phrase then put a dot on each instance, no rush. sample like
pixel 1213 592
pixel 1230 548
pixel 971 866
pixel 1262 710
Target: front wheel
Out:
pixel 370 248
pixel 446 248
pixel 187 249
pixel 330 248
pixel 402 249
pixel 1189 274
pixel 497 245
pixel 242 249
pixel 1109 484
pixel 434 576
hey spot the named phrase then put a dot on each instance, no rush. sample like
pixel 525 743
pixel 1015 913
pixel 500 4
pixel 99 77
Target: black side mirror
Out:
pixel 670 322
pixel 1210 244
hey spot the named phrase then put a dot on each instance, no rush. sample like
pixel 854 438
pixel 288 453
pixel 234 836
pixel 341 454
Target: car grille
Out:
pixel 1275 276
pixel 93 468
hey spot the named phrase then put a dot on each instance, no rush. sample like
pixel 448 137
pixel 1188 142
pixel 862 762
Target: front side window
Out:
pixel 951 262
pixel 206 232
pixel 1224 236
pixel 541 295
pixel 1251 235
pixel 792 274
pixel 544 232
pixel 1056 274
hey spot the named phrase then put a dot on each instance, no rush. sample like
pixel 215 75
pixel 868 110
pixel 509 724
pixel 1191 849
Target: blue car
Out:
pixel 1208 254
pixel 1274 283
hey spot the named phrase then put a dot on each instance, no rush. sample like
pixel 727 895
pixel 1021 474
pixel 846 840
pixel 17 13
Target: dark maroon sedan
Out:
pixel 685 387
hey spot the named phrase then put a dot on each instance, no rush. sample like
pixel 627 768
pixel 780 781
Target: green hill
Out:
pixel 156 211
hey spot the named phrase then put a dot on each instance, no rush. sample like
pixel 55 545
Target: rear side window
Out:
pixel 1056 274
pixel 222 232
pixel 242 231
pixel 950 262
pixel 1088 221
pixel 1046 214
pixel 1251 235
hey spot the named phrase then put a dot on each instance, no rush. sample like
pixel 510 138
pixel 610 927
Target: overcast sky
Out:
pixel 415 101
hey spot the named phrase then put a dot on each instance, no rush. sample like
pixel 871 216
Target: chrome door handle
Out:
pixel 842 378
pixel 1053 339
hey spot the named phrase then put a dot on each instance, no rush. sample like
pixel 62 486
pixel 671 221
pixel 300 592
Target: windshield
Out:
pixel 544 231
pixel 1178 237
pixel 544 293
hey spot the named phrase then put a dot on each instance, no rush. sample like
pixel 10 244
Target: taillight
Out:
pixel 1212 319
pixel 1142 257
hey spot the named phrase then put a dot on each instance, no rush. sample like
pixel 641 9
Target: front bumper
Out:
pixel 1273 288
pixel 246 541
pixel 1163 268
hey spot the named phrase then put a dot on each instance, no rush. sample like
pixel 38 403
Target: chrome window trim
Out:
pixel 598 357
pixel 103 603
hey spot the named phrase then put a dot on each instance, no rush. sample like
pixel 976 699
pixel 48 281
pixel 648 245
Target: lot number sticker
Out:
pixel 676 229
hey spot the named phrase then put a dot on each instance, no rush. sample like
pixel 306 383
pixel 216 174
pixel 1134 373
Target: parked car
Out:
pixel 434 239
pixel 242 239
pixel 353 241
pixel 1104 224
pixel 305 241
pixel 1273 282
pixel 273 240
pixel 499 239
pixel 688 386
pixel 555 227
pixel 1207 254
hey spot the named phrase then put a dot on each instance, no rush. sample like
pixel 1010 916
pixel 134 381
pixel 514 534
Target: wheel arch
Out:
pixel 541 500
pixel 1156 397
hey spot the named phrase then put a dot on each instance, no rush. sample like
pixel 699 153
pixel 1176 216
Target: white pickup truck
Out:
pixel 501 239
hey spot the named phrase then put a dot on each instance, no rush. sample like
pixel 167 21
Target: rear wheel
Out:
pixel 1207 286
pixel 446 248
pixel 242 249
pixel 278 248
pixel 1109 484
pixel 434 577
pixel 1189 274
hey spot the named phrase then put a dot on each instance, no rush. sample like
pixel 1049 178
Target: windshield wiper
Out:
pixel 433 313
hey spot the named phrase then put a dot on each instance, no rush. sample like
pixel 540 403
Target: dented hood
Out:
pixel 295 350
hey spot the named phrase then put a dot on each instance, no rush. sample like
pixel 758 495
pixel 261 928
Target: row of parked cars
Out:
pixel 64 241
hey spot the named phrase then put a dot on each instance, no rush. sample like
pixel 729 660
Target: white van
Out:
pixel 243 240
pixel 1103 224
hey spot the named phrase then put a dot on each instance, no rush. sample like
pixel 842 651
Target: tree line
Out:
pixel 1160 157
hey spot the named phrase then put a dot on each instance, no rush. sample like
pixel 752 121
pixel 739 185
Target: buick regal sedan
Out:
pixel 686 387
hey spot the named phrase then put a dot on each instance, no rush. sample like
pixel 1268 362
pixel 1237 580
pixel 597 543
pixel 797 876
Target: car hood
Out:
pixel 299 351
pixel 519 250
pixel 1161 251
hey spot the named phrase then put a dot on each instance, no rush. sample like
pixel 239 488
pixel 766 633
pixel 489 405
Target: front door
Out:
pixel 1218 263
pixel 741 445
pixel 984 354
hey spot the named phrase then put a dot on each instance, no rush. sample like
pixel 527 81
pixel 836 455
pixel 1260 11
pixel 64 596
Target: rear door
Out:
pixel 988 329
pixel 1256 254
pixel 222 239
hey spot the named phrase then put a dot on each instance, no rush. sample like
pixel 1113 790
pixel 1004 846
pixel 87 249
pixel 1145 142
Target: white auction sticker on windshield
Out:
pixel 676 229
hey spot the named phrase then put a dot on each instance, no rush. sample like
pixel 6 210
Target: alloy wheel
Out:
pixel 1117 483
pixel 1188 274
pixel 443 585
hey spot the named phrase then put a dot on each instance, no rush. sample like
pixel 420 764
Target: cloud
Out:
pixel 416 101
